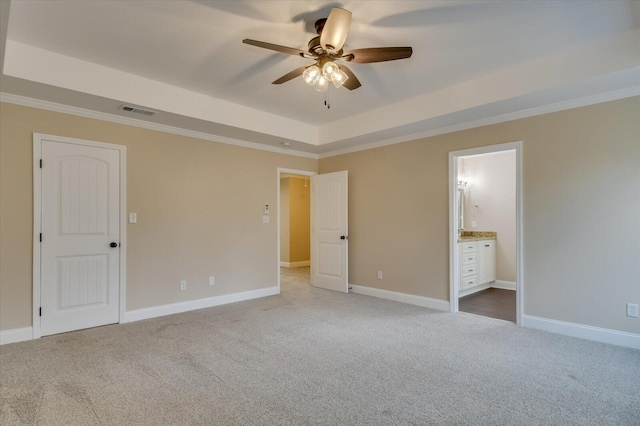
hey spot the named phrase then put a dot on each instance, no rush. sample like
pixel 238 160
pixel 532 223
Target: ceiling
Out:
pixel 474 62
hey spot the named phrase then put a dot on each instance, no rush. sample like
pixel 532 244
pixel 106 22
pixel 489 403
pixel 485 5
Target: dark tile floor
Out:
pixel 492 302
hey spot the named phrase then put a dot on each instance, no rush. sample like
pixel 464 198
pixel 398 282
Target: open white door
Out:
pixel 329 231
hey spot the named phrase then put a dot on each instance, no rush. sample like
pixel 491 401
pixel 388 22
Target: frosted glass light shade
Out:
pixel 330 70
pixel 322 84
pixel 311 75
pixel 340 78
pixel 336 29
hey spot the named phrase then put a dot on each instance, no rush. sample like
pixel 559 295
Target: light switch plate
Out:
pixel 133 218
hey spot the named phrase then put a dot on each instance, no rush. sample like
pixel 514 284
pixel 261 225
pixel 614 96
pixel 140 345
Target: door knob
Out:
pixel 344 237
pixel 113 245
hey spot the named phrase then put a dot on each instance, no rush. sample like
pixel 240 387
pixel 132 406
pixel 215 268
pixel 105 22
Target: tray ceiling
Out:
pixel 472 61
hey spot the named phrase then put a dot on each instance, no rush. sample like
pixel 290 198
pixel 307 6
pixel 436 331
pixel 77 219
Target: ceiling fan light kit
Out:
pixel 329 70
pixel 327 48
pixel 311 75
pixel 322 84
pixel 339 78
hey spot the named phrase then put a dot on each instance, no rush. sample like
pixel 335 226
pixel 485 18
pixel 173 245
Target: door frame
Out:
pixel 279 172
pixel 454 265
pixel 37 219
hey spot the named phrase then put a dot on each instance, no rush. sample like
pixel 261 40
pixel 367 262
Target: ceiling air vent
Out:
pixel 136 110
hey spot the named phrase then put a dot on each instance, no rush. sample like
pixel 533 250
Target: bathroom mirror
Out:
pixel 460 209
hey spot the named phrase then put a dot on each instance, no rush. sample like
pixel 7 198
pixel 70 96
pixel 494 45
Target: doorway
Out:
pixel 295 220
pixel 328 222
pixel 486 231
pixel 79 234
pixel 294 214
pixel 294 225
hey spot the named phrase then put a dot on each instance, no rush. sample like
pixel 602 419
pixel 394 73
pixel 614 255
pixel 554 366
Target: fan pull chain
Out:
pixel 327 99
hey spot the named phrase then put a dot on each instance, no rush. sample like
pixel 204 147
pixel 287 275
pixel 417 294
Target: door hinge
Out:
pixel 41 237
pixel 41 311
pixel 41 163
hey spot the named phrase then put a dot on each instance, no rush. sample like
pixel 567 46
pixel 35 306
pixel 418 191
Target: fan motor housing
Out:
pixel 315 47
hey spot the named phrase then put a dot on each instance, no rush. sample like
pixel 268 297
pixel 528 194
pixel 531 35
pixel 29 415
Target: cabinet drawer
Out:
pixel 469 282
pixel 468 270
pixel 469 246
pixel 469 258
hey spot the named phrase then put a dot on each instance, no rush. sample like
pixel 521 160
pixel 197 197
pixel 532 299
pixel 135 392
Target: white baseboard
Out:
pixel 295 264
pixel 16 335
pixel 426 302
pixel 604 335
pixel 192 305
pixel 505 285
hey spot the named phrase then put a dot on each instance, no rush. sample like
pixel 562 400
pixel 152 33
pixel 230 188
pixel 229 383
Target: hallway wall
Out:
pixel 295 211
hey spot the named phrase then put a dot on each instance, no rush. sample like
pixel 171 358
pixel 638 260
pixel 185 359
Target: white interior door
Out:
pixel 80 221
pixel 329 231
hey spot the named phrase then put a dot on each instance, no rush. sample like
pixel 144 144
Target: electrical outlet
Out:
pixel 379 275
pixel 473 223
pixel 632 310
pixel 183 285
pixel 212 280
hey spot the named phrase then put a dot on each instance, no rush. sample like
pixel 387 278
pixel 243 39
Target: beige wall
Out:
pixel 300 215
pixel 581 171
pixel 199 208
pixel 492 187
pixel 284 220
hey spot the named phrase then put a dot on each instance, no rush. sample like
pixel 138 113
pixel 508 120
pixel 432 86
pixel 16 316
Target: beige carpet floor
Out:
pixel 310 356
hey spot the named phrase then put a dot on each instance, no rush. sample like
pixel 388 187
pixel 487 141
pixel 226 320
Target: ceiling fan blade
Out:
pixel 377 54
pixel 336 29
pixel 276 47
pixel 290 75
pixel 352 82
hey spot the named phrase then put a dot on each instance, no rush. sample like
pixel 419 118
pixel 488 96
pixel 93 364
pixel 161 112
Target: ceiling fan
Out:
pixel 326 48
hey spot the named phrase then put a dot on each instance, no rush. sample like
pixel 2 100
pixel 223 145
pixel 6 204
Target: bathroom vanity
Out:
pixel 477 254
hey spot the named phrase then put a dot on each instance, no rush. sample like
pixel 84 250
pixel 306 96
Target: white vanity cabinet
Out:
pixel 477 263
pixel 468 255
pixel 486 261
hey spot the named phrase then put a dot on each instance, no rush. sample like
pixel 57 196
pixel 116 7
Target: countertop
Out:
pixel 476 235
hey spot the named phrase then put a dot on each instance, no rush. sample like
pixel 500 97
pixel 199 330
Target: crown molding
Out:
pixel 103 116
pixel 531 112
